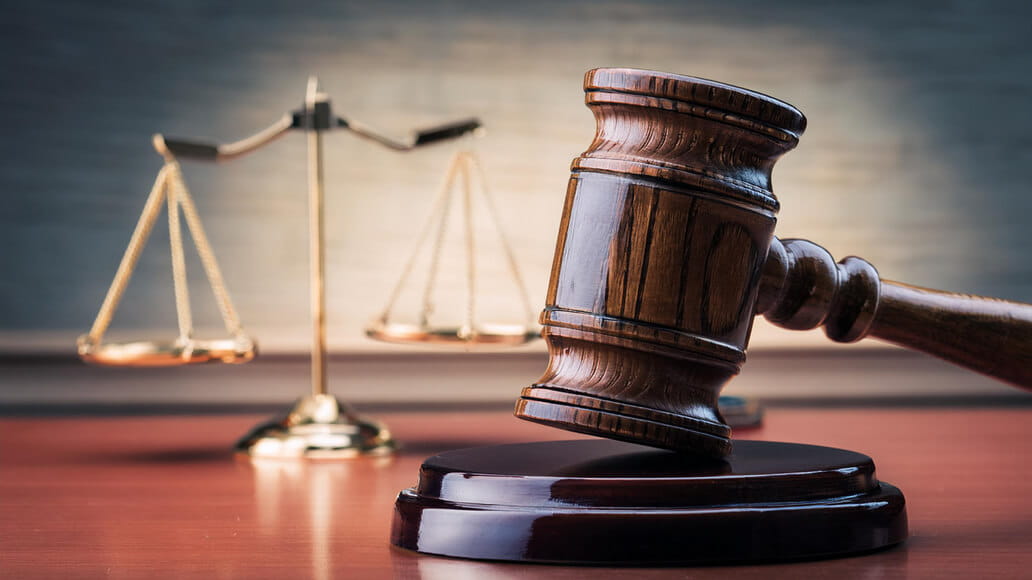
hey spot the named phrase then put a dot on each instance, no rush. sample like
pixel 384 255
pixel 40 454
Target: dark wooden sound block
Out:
pixel 598 501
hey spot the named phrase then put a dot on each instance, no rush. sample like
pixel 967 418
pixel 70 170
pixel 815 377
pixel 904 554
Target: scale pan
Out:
pixel 488 334
pixel 168 354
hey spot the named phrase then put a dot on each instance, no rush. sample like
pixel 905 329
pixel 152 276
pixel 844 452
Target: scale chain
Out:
pixel 170 187
pixel 439 205
pixel 207 256
pixel 471 262
pixel 175 238
pixel 442 226
pixel 469 165
pixel 144 225
pixel 510 256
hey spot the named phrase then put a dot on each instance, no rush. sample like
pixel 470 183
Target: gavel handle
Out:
pixel 990 336
pixel 802 287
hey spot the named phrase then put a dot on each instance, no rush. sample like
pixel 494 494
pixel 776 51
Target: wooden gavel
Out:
pixel 666 251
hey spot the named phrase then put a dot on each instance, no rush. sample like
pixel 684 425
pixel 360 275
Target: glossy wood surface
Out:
pixel 663 238
pixel 803 288
pixel 666 251
pixel 160 497
pixel 990 336
pixel 600 501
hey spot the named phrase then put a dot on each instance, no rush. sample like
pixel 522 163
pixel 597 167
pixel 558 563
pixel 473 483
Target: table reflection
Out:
pixel 315 495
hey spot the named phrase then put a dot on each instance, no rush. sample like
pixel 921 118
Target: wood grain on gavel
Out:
pixel 666 251
pixel 803 288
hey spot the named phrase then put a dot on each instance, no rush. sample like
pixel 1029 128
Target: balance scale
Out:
pixel 319 425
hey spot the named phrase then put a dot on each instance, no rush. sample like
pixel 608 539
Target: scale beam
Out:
pixel 319 118
pixel 205 151
pixel 418 138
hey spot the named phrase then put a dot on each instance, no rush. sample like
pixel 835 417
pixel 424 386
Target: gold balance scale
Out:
pixel 319 425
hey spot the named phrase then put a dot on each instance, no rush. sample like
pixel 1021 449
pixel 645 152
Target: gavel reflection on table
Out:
pixel 666 252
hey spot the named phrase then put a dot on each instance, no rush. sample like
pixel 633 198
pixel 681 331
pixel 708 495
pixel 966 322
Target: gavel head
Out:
pixel 668 218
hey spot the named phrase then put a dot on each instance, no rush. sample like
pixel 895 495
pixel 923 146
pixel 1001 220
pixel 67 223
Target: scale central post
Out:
pixel 319 426
pixel 317 112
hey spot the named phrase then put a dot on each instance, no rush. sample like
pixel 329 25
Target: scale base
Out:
pixel 607 502
pixel 318 427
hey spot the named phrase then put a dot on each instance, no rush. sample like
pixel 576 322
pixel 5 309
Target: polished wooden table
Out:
pixel 162 497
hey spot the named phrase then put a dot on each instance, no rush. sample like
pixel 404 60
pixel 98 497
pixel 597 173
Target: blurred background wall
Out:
pixel 916 155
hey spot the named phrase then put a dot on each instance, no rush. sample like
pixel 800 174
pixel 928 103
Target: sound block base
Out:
pixel 605 502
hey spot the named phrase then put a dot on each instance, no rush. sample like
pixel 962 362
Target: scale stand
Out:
pixel 319 425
